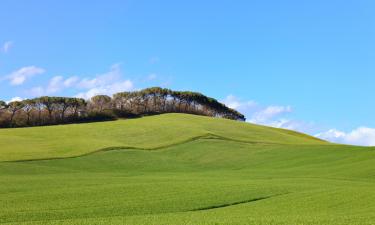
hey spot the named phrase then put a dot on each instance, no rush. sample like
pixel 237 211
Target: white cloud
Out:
pixel 18 77
pixel 14 99
pixel 102 79
pixel 55 85
pixel 256 113
pixel 71 81
pixel 279 116
pixel 108 89
pixel 274 116
pixel 288 124
pixel 266 115
pixel 7 46
pixel 235 103
pixel 361 136
pixel 107 83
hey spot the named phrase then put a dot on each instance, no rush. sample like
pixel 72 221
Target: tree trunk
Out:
pixel 28 118
pixel 11 117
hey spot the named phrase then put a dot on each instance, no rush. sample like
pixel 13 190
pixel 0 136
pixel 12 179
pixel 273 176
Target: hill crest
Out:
pixel 150 132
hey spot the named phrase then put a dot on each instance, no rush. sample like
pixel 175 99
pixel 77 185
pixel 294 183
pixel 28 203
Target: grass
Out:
pixel 148 133
pixel 234 173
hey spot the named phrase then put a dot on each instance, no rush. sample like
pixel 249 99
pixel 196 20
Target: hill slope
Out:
pixel 147 133
pixel 239 174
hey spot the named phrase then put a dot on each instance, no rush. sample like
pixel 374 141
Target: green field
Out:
pixel 181 169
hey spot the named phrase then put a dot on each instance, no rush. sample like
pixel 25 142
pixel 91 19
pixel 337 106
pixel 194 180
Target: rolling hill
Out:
pixel 181 169
pixel 146 133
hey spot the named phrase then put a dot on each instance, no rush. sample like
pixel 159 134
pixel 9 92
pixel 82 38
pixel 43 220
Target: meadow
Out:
pixel 181 169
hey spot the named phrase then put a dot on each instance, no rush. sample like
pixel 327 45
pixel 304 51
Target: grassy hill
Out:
pixel 181 169
pixel 146 133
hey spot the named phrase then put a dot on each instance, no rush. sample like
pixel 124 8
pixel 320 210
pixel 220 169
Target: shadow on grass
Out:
pixel 234 203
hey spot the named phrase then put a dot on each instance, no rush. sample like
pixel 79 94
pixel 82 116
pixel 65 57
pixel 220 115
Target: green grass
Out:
pixel 148 133
pixel 233 173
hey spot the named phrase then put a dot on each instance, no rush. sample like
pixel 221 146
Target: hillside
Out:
pixel 145 133
pixel 200 171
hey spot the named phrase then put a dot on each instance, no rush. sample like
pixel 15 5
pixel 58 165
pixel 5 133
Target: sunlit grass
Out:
pixel 252 175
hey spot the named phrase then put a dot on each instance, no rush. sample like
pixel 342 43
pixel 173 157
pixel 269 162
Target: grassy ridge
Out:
pixel 149 132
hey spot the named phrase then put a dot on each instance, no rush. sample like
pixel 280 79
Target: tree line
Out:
pixel 48 110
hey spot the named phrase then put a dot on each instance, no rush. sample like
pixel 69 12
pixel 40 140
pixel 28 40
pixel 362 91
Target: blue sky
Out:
pixel 304 65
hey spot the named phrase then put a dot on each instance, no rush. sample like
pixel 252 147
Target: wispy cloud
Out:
pixel 256 113
pixel 107 83
pixel 19 76
pixel 235 103
pixel 14 99
pixel 55 85
pixel 280 117
pixel 360 136
pixel 71 81
pixel 113 75
pixel 107 89
pixel 266 115
pixel 7 46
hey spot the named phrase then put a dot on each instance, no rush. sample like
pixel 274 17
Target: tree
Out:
pixel 3 106
pixel 39 106
pixel 159 100
pixel 121 99
pixel 49 103
pixel 28 107
pixel 76 104
pixel 124 104
pixel 14 107
pixel 101 102
pixel 63 104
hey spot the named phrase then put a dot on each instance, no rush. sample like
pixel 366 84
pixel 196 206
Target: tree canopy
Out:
pixel 48 110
